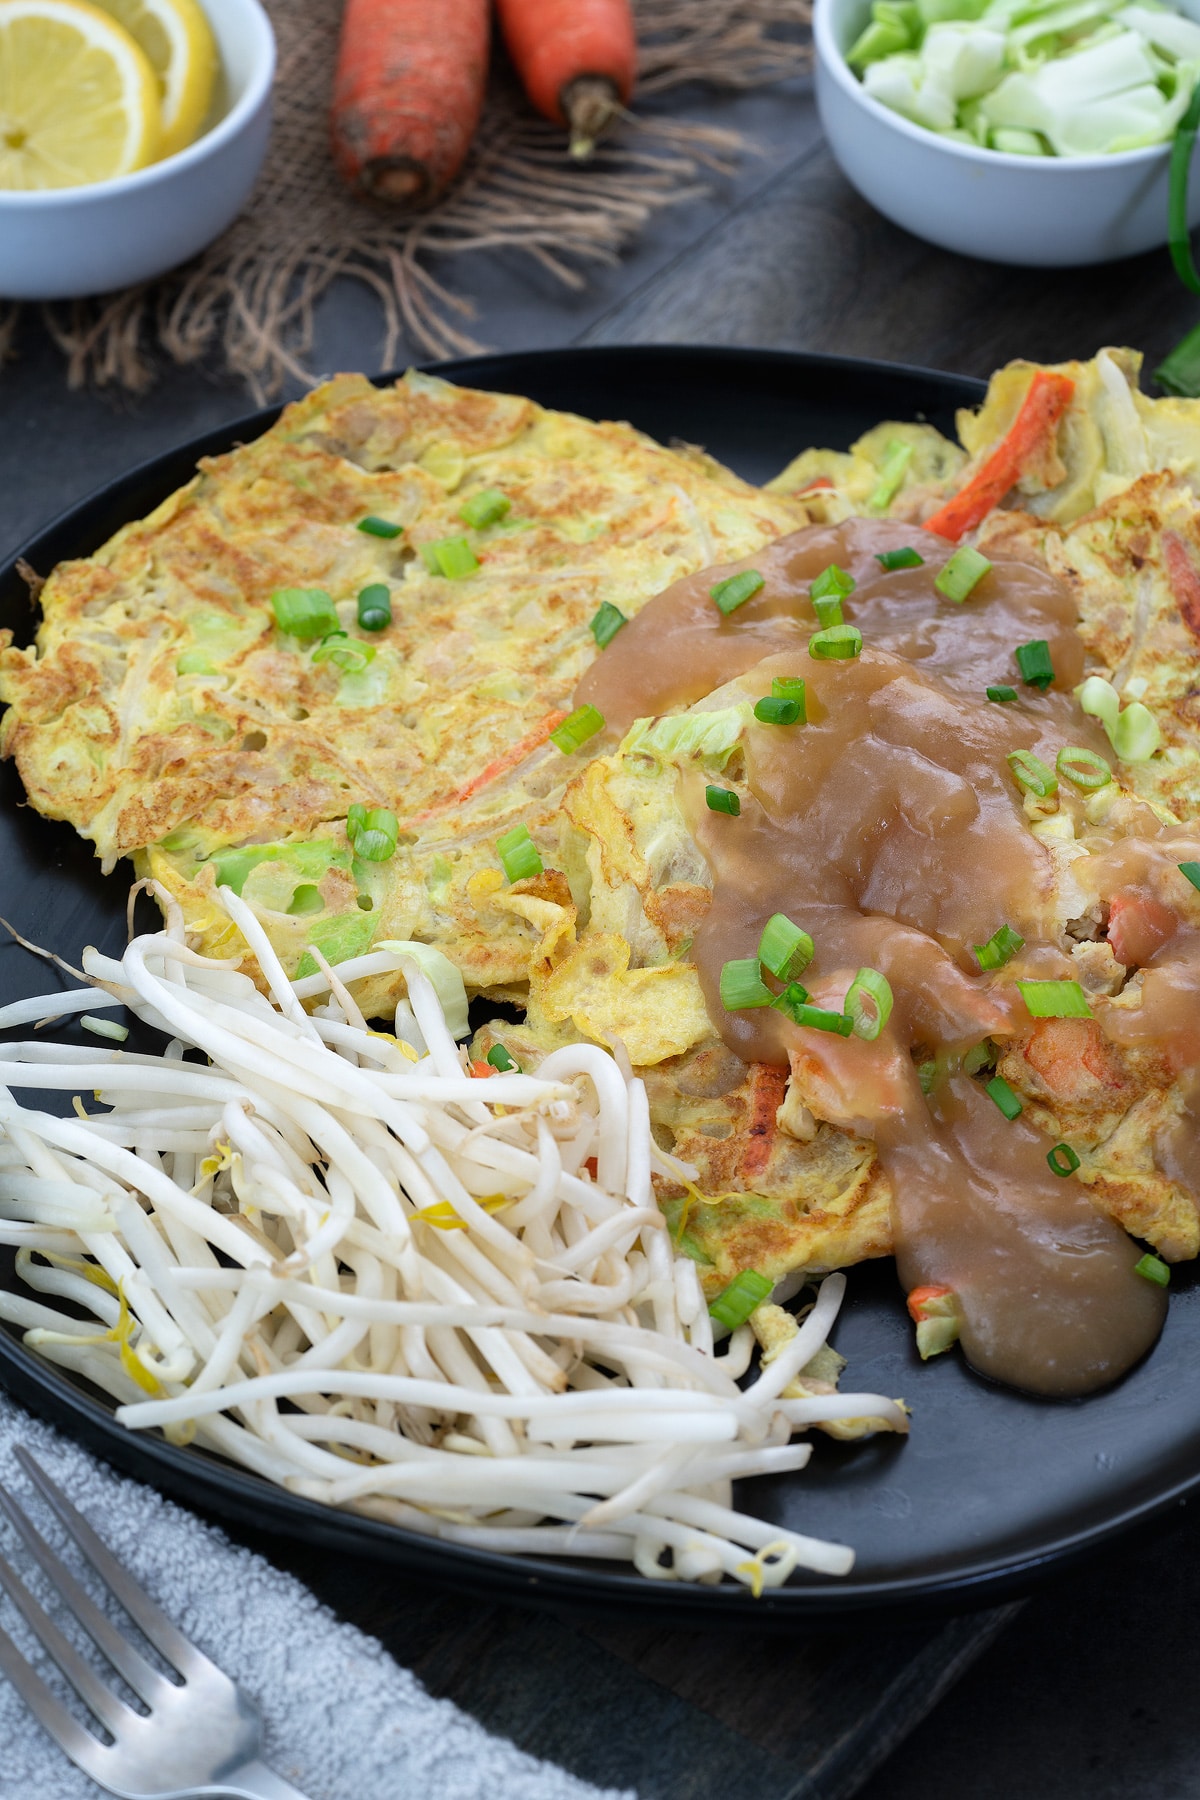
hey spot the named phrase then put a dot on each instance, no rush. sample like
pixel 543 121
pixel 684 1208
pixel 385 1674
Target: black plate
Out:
pixel 992 1488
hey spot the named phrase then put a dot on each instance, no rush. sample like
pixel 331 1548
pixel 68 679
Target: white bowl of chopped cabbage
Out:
pixel 1023 131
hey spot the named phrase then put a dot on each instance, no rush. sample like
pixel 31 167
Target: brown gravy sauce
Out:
pixel 891 829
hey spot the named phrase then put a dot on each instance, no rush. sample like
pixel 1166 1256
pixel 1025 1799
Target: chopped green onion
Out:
pixel 794 995
pixel 791 687
pixel 1062 1159
pixel 373 835
pixel 1153 1268
pixel 105 1028
pixel 375 527
pixel 1001 693
pixel 891 476
pixel 905 558
pixel 374 846
pixel 374 607
pixel 735 590
pixel 500 1059
pixel 1082 767
pixel 1000 947
pixel 1055 1000
pixel 518 852
pixel 771 710
pixel 816 1018
pixel 452 557
pixel 832 586
pixel 832 583
pixel 784 949
pixel 742 985
pixel 998 1090
pixel 722 800
pixel 340 648
pixel 195 662
pixel 304 612
pixel 1136 736
pixel 839 643
pixel 1033 660
pixel 868 1003
pixel 733 1306
pixel 583 724
pixel 606 623
pixel 1192 871
pixel 1032 774
pixel 963 573
pixel 485 508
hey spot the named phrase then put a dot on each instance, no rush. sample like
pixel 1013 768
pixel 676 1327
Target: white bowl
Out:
pixel 1048 212
pixel 67 242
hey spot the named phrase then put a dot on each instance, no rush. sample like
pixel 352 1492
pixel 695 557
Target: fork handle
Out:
pixel 253 1781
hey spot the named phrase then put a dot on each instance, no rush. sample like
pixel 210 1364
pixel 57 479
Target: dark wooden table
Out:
pixel 1088 1689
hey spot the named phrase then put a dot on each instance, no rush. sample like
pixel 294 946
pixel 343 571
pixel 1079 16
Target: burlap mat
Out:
pixel 250 299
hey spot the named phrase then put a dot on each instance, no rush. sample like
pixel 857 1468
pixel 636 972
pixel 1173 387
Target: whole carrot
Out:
pixel 577 59
pixel 407 94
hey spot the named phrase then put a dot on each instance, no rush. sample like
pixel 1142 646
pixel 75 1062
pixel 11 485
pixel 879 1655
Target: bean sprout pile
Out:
pixel 337 1257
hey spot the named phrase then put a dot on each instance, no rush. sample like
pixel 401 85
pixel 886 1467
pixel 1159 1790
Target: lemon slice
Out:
pixel 177 38
pixel 78 98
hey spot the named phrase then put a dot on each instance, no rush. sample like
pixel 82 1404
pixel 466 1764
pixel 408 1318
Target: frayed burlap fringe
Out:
pixel 251 297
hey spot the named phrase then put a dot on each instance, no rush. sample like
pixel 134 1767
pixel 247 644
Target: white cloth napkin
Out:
pixel 342 1720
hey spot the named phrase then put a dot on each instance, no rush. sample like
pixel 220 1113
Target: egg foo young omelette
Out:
pixel 872 852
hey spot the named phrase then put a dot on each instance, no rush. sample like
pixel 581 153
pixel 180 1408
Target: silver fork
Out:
pixel 200 1736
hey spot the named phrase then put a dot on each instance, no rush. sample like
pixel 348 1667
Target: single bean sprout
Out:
pixel 338 1257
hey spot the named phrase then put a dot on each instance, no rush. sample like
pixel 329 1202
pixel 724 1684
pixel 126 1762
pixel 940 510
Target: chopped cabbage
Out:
pixel 1033 77
pixel 710 737
pixel 446 977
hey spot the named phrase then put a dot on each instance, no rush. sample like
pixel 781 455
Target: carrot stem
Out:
pixel 577 60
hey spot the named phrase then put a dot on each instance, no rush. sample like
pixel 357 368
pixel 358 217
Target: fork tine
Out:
pixel 49 1711
pixel 137 1603
pixel 142 1678
pixel 107 1707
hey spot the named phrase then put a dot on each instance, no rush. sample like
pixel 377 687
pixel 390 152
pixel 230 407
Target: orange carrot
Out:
pixel 768 1087
pixel 577 59
pixel 920 1299
pixel 407 95
pixel 481 1070
pixel 1043 406
pixel 499 766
